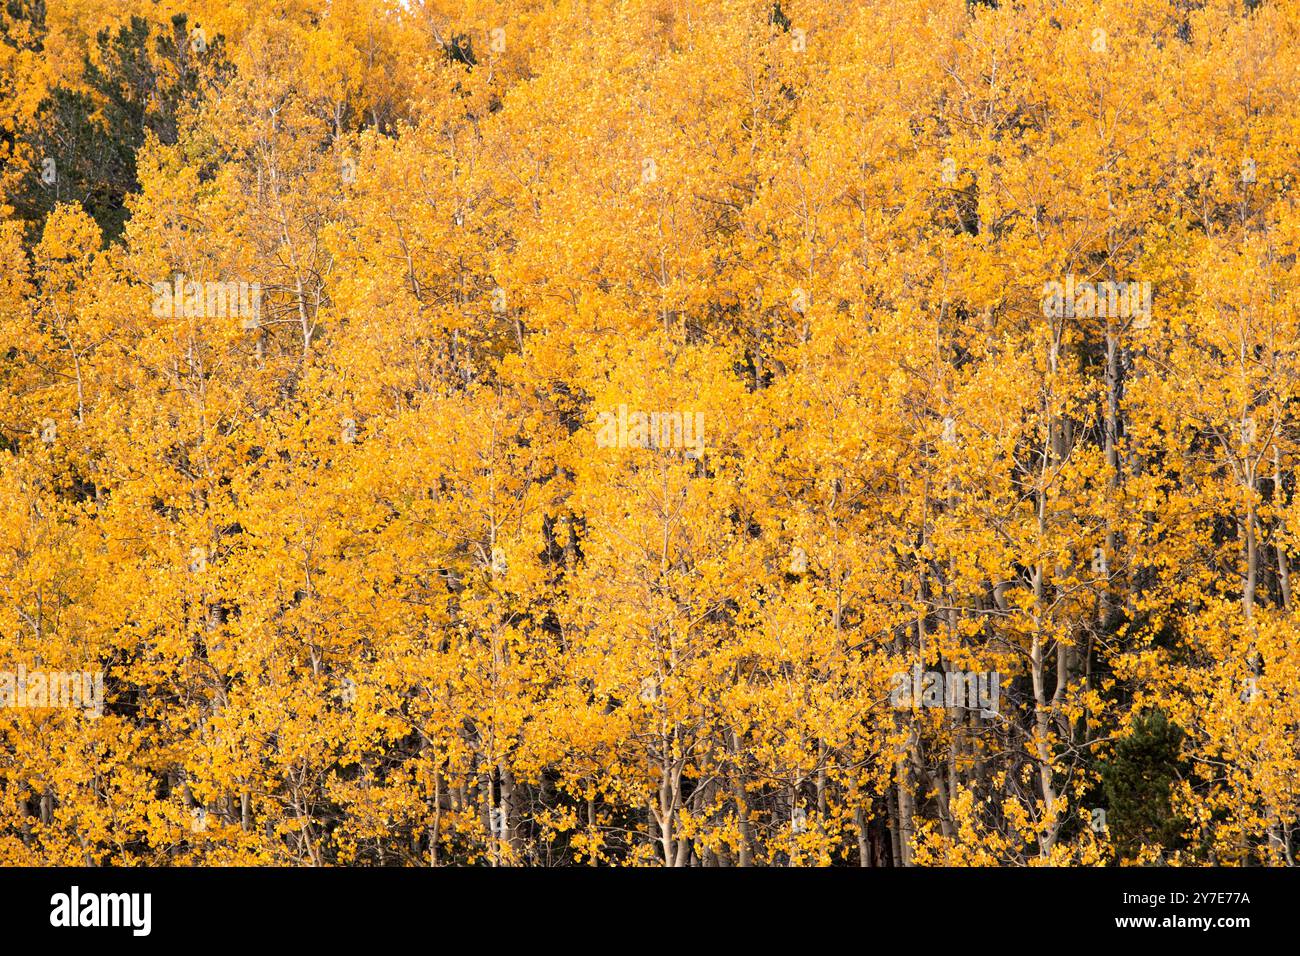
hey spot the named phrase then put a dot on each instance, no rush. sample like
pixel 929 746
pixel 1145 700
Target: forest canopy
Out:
pixel 649 432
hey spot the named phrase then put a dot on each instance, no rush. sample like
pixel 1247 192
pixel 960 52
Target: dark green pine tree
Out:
pixel 91 135
pixel 1137 781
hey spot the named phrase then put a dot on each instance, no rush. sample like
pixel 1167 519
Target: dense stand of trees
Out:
pixel 330 336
